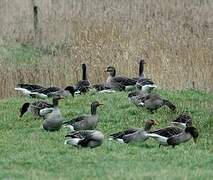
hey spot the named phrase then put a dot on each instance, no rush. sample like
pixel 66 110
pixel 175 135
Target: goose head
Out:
pixel 84 71
pixel 141 68
pixel 111 70
pixel 56 100
pixel 71 90
pixel 193 131
pixel 94 106
pixel 24 109
pixel 149 124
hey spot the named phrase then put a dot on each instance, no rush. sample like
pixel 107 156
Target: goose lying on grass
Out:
pixel 85 138
pixel 134 134
pixel 86 122
pixel 83 85
pixel 53 118
pixel 173 135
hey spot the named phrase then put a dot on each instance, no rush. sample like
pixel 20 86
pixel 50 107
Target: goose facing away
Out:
pixel 153 102
pixel 53 118
pixel 34 108
pixel 83 85
pixel 85 138
pixel 120 81
pixel 145 84
pixel 134 134
pixel 141 69
pixel 173 135
pixel 86 122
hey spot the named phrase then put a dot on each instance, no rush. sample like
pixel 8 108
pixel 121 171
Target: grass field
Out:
pixel 27 152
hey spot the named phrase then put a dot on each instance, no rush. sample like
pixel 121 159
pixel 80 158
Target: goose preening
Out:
pixel 153 102
pixel 53 118
pixel 85 138
pixel 134 134
pixel 83 85
pixel 86 122
pixel 183 121
pixel 52 91
pixel 173 135
pixel 26 89
pixel 118 82
pixel 34 108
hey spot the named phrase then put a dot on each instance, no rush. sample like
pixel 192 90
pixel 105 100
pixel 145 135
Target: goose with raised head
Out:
pixel 118 82
pixel 145 84
pixel 86 122
pixel 52 91
pixel 153 102
pixel 53 118
pixel 83 85
pixel 26 89
pixel 173 135
pixel 85 138
pixel 134 134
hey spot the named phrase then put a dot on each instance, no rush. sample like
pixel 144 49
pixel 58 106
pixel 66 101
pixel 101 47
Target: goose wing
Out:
pixel 29 87
pixel 124 80
pixel 168 131
pixel 75 120
pixel 121 134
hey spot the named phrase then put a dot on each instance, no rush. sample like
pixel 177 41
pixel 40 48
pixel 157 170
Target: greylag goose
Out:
pixel 53 91
pixel 136 97
pixel 83 85
pixel 134 134
pixel 86 122
pixel 103 88
pixel 34 107
pixel 85 138
pixel 26 89
pixel 53 118
pixel 141 67
pixel 183 121
pixel 173 135
pixel 118 82
pixel 153 101
pixel 145 84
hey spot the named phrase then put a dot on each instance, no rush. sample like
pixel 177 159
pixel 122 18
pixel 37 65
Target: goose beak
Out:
pixel 156 122
pixel 100 104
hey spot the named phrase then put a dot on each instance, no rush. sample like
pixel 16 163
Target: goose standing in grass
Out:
pixel 182 121
pixel 153 102
pixel 83 85
pixel 52 91
pixel 173 135
pixel 85 138
pixel 145 84
pixel 118 82
pixel 86 122
pixel 134 134
pixel 26 89
pixel 34 108
pixel 53 118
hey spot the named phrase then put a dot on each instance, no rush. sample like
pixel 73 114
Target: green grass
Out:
pixel 27 152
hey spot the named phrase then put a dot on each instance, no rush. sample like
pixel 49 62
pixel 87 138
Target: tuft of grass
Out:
pixel 27 152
